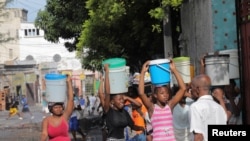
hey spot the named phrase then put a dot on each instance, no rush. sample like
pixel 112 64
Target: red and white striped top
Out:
pixel 162 123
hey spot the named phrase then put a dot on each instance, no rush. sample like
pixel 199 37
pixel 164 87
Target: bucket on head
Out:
pixel 159 70
pixel 233 62
pixel 217 68
pixel 182 65
pixel 56 89
pixel 118 75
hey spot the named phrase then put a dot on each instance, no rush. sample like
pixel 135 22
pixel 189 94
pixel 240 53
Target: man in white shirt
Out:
pixel 204 111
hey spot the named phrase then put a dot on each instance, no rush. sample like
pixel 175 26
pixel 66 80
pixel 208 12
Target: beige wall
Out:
pixel 10 23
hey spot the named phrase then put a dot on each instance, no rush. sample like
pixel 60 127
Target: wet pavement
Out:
pixel 29 129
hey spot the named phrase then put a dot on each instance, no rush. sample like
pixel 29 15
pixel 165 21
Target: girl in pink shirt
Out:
pixel 160 112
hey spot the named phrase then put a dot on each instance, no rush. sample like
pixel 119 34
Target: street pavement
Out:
pixel 29 129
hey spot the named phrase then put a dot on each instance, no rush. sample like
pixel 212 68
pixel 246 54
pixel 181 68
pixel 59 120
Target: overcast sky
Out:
pixel 33 6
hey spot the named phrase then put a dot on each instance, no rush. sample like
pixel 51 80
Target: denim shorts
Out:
pixel 139 137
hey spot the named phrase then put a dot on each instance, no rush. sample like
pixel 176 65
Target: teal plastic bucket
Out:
pixel 159 71
pixel 118 76
pixel 56 89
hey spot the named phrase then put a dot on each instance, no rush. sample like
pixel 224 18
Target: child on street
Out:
pixel 163 108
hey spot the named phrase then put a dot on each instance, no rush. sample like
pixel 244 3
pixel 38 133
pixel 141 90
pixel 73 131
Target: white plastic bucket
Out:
pixel 217 68
pixel 233 63
pixel 56 89
pixel 118 75
pixel 159 70
pixel 183 67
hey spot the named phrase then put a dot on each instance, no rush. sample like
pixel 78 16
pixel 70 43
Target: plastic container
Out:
pixel 118 75
pixel 217 68
pixel 183 67
pixel 159 70
pixel 233 63
pixel 56 89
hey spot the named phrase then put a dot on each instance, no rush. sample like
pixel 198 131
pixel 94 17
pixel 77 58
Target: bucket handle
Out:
pixel 162 67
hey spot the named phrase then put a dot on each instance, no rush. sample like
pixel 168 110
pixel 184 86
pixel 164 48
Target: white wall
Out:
pixel 39 48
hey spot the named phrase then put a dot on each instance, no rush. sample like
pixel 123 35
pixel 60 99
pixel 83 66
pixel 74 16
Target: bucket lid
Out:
pixel 115 62
pixel 159 61
pixel 180 59
pixel 53 76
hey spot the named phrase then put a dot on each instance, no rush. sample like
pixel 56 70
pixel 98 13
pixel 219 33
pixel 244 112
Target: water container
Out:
pixel 56 89
pixel 217 68
pixel 182 65
pixel 233 62
pixel 159 70
pixel 118 75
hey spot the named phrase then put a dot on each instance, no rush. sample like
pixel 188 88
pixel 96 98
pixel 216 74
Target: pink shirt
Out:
pixel 60 132
pixel 162 123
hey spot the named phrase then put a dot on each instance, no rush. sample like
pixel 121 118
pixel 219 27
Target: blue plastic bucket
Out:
pixel 159 71
pixel 56 89
pixel 118 77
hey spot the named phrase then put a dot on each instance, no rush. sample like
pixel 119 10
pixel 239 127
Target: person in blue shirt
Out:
pixel 26 108
pixel 82 102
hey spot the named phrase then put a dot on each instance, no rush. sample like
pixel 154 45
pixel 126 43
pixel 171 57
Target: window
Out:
pixel 10 53
pixel 37 31
pixel 31 32
pixel 25 32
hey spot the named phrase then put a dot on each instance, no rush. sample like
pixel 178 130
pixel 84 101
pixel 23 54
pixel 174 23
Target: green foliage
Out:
pixel 62 19
pixel 119 29
pixel 157 13
pixel 104 29
pixel 160 11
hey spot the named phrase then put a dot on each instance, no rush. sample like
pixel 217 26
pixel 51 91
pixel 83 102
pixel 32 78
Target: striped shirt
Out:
pixel 162 123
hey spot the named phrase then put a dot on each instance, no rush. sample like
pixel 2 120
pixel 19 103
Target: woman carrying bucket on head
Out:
pixel 117 118
pixel 55 127
pixel 164 102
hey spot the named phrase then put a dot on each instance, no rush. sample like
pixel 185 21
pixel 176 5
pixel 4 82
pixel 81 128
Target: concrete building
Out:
pixel 10 24
pixel 27 57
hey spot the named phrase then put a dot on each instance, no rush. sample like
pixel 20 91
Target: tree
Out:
pixel 62 19
pixel 103 29
pixel 120 29
pixel 128 29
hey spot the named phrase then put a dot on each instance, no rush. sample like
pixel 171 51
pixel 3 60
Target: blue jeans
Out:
pixel 139 137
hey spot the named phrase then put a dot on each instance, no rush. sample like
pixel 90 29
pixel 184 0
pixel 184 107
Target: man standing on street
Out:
pixel 204 111
pixel 82 102
pixel 26 108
